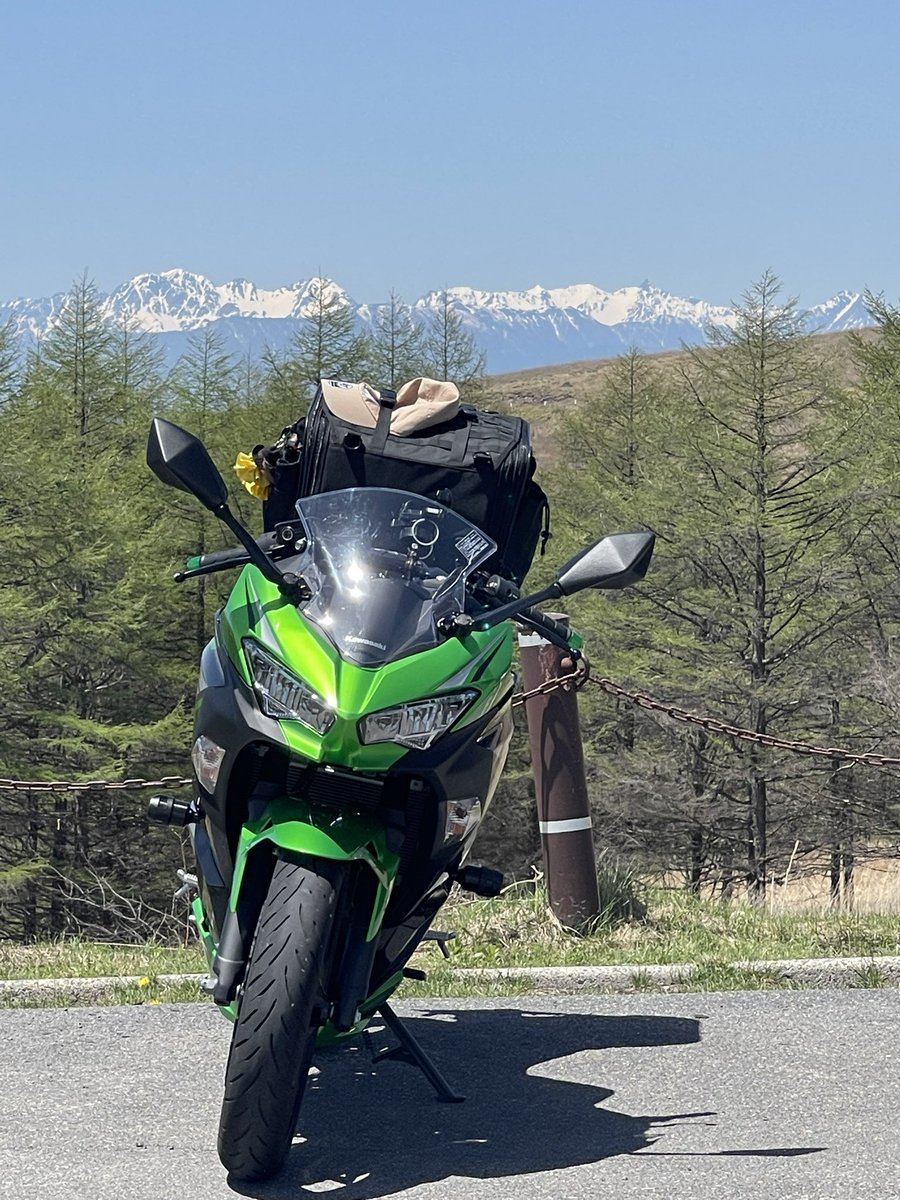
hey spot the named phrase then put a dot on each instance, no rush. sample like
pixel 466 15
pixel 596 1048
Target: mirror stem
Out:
pixel 496 615
pixel 259 558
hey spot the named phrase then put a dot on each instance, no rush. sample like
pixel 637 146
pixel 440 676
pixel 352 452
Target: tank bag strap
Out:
pixel 546 535
pixel 387 402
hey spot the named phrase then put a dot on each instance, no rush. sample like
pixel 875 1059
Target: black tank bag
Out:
pixel 480 464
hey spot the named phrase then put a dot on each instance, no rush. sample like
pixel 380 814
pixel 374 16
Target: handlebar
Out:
pixel 280 542
pixel 496 591
pixel 232 557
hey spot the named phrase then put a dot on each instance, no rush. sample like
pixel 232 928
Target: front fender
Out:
pixel 339 834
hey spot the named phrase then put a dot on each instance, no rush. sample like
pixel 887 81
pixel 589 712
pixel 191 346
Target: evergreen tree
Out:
pixel 207 389
pixel 79 628
pixel 9 361
pixel 328 345
pixel 763 527
pixel 284 395
pixel 397 345
pixel 742 472
pixel 451 352
pixel 651 788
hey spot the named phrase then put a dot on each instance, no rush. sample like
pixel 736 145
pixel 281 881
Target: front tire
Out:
pixel 274 1035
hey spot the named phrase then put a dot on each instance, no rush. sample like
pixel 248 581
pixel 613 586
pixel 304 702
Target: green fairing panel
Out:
pixel 256 609
pixel 329 1036
pixel 203 931
pixel 339 834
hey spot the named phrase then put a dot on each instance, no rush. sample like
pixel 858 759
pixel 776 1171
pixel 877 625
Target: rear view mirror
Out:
pixel 181 461
pixel 616 562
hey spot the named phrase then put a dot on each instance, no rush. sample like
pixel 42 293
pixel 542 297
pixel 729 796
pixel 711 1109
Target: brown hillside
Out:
pixel 543 394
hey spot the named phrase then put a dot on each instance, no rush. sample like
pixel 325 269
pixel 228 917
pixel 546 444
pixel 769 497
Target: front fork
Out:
pixel 294 828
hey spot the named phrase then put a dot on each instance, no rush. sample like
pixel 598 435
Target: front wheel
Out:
pixel 274 1035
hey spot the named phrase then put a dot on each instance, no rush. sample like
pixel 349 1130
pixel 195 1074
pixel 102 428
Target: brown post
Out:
pixel 564 814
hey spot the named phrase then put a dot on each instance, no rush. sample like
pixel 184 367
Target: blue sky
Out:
pixel 416 145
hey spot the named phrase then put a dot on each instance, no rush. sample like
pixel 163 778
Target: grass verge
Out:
pixel 517 930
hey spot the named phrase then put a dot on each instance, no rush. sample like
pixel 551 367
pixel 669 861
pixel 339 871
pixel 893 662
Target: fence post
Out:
pixel 564 814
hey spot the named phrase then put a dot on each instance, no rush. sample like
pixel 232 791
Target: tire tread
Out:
pixel 272 1039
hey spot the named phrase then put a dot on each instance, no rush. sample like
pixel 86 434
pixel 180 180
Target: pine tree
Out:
pixel 79 627
pixel 10 363
pixel 650 786
pixel 749 610
pixel 763 531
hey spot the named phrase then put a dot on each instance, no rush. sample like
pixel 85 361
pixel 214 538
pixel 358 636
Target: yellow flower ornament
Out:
pixel 247 471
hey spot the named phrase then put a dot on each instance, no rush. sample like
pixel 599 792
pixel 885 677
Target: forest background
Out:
pixel 766 462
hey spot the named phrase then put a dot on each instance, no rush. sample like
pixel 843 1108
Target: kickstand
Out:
pixel 409 1050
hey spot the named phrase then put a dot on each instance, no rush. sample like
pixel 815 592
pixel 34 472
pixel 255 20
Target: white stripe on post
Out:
pixel 569 826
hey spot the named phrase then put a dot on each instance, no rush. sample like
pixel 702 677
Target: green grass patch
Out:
pixel 675 928
pixel 870 976
pixel 155 992
pixel 71 959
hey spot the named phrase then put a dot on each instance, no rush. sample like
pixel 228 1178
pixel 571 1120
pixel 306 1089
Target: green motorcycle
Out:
pixel 353 718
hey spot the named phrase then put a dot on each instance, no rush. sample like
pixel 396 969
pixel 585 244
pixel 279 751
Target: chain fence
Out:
pixel 581 676
pixel 93 785
pixel 576 678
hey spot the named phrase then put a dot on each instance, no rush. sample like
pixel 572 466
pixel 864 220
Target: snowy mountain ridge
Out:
pixel 517 329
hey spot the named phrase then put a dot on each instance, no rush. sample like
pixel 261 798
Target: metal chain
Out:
pixel 736 733
pixel 61 785
pixel 581 675
pixel 577 677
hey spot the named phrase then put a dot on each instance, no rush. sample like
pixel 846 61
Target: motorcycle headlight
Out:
pixel 282 695
pixel 418 724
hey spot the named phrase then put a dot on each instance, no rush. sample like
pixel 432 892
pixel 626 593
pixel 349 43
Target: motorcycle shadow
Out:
pixel 371 1130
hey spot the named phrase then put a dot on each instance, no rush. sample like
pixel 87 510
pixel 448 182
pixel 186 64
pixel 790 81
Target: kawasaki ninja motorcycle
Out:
pixel 351 725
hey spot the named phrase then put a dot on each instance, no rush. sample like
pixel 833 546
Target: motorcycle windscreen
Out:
pixel 383 567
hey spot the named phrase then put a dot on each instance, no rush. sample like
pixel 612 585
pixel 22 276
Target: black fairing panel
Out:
pixel 462 763
pixel 227 712
pixel 459 766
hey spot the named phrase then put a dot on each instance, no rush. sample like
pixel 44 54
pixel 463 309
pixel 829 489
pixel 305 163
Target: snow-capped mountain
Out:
pixel 536 327
pixel 181 301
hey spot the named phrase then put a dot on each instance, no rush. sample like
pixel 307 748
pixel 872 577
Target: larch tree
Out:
pixel 450 351
pixel 397 348
pixel 764 596
pixel 328 346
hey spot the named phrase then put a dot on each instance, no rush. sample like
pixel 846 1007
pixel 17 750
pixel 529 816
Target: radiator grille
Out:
pixel 327 785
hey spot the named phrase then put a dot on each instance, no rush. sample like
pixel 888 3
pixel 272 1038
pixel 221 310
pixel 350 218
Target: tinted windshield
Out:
pixel 384 567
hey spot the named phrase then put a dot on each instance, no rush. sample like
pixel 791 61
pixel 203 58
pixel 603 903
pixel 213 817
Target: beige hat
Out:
pixel 420 404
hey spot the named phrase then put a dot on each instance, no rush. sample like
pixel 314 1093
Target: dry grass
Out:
pixel 676 928
pixel 806 888
pixel 544 395
pixel 876 889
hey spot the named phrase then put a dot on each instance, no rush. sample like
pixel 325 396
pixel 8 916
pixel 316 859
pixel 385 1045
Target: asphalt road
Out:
pixel 780 1094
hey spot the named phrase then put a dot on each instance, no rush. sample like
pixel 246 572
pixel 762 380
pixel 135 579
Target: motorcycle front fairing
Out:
pixel 364 660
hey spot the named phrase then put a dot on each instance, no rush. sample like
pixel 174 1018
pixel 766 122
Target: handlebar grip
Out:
pixel 217 558
pixel 558 632
pixel 234 556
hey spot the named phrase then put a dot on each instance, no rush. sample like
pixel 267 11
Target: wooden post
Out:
pixel 564 814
